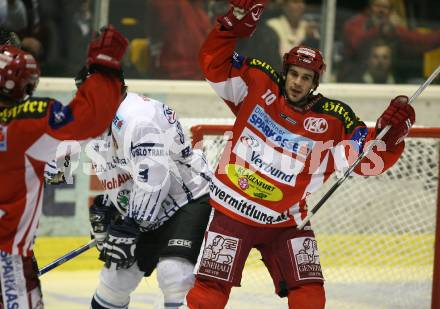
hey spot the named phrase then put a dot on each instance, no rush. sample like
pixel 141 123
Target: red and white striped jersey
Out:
pixel 278 155
pixel 29 135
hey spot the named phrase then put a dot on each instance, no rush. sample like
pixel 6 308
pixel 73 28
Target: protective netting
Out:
pixel 375 236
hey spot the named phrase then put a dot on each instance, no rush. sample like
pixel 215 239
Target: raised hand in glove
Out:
pixel 107 49
pixel 242 18
pixel 101 214
pixel 118 250
pixel 401 116
pixel 104 55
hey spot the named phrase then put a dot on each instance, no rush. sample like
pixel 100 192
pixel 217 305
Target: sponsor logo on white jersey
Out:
pixel 147 150
pixel 118 122
pixel 169 114
pixel 278 135
pixel 115 182
pixel 315 125
pixel 280 167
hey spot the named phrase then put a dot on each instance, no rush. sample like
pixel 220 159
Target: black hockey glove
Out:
pixel 101 214
pixel 118 250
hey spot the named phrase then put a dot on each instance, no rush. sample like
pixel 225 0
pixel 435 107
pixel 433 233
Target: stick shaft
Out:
pixel 364 154
pixel 68 256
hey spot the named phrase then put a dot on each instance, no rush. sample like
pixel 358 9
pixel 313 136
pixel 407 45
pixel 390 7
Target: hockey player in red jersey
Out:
pixel 31 128
pixel 286 143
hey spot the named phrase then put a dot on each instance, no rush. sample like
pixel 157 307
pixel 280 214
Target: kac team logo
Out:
pixel 315 125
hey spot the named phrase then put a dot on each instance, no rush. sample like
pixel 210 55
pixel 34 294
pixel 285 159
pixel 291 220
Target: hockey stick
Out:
pixel 347 173
pixel 66 257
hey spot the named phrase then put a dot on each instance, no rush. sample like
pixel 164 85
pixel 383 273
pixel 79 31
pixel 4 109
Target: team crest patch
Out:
pixel 306 258
pixel 237 60
pixel 218 256
pixel 118 122
pixel 169 114
pixel 123 199
pixel 60 115
pixel 3 138
pixel 315 125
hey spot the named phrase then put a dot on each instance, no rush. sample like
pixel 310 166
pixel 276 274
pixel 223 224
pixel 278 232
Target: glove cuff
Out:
pixel 105 61
pixel 132 225
pixel 95 67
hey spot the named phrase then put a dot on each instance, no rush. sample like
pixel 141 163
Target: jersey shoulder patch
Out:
pixel 266 68
pixel 32 108
pixel 339 110
pixel 169 114
pixel 237 60
pixel 60 115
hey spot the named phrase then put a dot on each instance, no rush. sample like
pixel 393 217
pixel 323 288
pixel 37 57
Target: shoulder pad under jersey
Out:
pixel 31 108
pixel 339 110
pixel 266 68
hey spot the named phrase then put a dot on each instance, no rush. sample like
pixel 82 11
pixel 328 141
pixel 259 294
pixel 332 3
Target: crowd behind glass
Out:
pixel 376 41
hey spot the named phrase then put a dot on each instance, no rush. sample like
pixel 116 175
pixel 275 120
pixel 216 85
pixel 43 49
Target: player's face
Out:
pixel 299 82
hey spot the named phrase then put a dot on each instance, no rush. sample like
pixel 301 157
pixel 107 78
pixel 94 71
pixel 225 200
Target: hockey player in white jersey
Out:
pixel 151 174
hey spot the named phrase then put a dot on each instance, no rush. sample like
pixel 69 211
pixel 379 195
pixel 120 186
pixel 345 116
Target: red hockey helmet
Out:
pixel 305 57
pixel 19 73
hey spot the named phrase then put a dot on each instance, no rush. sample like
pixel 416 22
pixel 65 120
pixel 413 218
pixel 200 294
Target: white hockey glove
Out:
pixel 52 175
pixel 118 250
pixel 101 214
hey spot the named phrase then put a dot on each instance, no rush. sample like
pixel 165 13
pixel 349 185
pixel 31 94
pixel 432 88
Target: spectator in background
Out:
pixel 285 27
pixel 3 11
pixel 378 65
pixel 292 28
pixel 264 44
pixel 176 32
pixel 23 17
pixel 379 22
pixel 79 31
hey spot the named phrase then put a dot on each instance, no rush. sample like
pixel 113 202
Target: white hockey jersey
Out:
pixel 146 164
